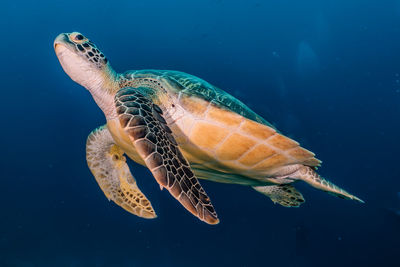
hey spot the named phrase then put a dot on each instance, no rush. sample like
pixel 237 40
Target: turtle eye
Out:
pixel 77 38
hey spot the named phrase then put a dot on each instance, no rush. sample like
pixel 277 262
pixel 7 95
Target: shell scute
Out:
pixel 257 154
pixel 207 135
pixel 196 106
pixel 226 117
pixel 257 130
pixel 271 162
pixel 282 142
pixel 234 147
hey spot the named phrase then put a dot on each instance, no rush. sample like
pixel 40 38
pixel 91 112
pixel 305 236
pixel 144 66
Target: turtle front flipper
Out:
pixel 108 165
pixel 143 121
pixel 284 194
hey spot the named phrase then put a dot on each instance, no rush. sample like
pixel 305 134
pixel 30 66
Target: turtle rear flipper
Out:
pixel 143 122
pixel 285 195
pixel 108 165
pixel 308 175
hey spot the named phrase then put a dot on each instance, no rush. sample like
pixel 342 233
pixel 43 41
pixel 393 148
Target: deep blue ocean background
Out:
pixel 326 73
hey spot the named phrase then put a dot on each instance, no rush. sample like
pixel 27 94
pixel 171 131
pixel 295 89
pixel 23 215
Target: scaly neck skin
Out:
pixel 103 84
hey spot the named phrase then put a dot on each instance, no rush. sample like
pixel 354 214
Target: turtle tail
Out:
pixel 308 175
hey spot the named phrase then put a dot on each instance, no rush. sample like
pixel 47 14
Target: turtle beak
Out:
pixel 61 39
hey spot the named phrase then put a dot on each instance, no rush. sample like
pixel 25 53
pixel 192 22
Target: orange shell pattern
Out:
pixel 220 139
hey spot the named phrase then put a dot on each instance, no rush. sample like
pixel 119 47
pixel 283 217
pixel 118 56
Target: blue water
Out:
pixel 326 73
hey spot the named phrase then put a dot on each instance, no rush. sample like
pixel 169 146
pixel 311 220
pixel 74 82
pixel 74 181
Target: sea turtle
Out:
pixel 182 128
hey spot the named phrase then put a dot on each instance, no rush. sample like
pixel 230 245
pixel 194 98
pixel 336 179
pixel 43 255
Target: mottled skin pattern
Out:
pixel 285 194
pixel 153 140
pixel 88 49
pixel 182 128
pixel 108 165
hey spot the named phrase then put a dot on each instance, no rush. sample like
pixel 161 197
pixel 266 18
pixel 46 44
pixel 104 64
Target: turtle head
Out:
pixel 87 65
pixel 82 60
